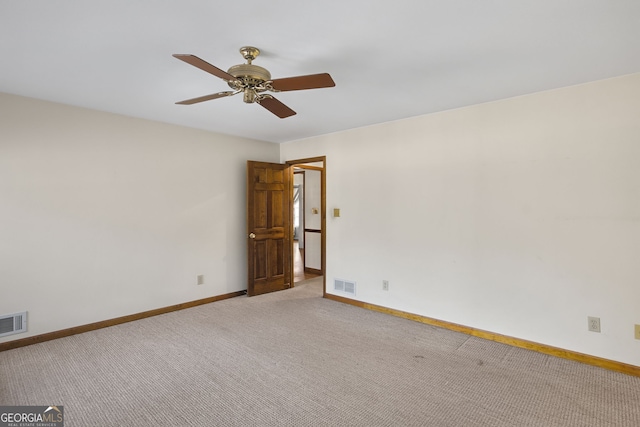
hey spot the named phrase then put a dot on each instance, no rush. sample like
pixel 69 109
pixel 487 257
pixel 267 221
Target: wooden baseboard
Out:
pixel 313 271
pixel 515 342
pixel 111 322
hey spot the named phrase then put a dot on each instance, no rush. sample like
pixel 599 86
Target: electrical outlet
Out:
pixel 200 280
pixel 385 285
pixel 594 324
pixel 637 332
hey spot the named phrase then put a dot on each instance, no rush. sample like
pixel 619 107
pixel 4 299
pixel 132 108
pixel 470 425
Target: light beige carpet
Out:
pixel 293 358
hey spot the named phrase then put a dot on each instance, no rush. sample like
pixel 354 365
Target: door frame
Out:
pixel 300 163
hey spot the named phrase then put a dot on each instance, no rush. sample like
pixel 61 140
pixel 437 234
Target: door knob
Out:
pixel 252 236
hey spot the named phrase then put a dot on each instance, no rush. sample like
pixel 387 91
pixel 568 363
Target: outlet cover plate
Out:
pixel 594 324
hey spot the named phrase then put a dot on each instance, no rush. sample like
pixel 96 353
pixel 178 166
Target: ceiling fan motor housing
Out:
pixel 249 74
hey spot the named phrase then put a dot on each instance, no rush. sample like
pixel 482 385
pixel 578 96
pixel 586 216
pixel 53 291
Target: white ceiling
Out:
pixel 389 59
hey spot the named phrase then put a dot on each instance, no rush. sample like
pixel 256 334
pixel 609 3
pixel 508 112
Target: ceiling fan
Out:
pixel 253 81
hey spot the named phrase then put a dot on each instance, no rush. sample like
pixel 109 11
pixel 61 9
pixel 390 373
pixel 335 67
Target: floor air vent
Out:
pixel 344 286
pixel 13 324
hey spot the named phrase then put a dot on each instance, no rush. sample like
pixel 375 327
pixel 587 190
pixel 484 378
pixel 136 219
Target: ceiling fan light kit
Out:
pixel 252 81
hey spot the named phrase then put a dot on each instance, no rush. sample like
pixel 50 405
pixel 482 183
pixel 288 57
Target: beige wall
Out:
pixel 103 216
pixel 520 217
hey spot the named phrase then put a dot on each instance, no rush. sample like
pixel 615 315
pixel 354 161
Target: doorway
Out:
pixel 309 218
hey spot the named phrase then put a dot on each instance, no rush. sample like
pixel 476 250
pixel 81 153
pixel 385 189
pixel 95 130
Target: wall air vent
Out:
pixel 13 324
pixel 344 286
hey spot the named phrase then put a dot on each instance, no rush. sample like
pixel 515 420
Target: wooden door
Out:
pixel 268 227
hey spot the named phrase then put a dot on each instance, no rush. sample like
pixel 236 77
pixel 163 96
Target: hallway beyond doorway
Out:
pixel 298 265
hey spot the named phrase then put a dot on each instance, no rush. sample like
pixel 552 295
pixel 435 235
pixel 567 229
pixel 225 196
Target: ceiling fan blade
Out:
pixel 205 66
pixel 312 81
pixel 275 106
pixel 206 97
